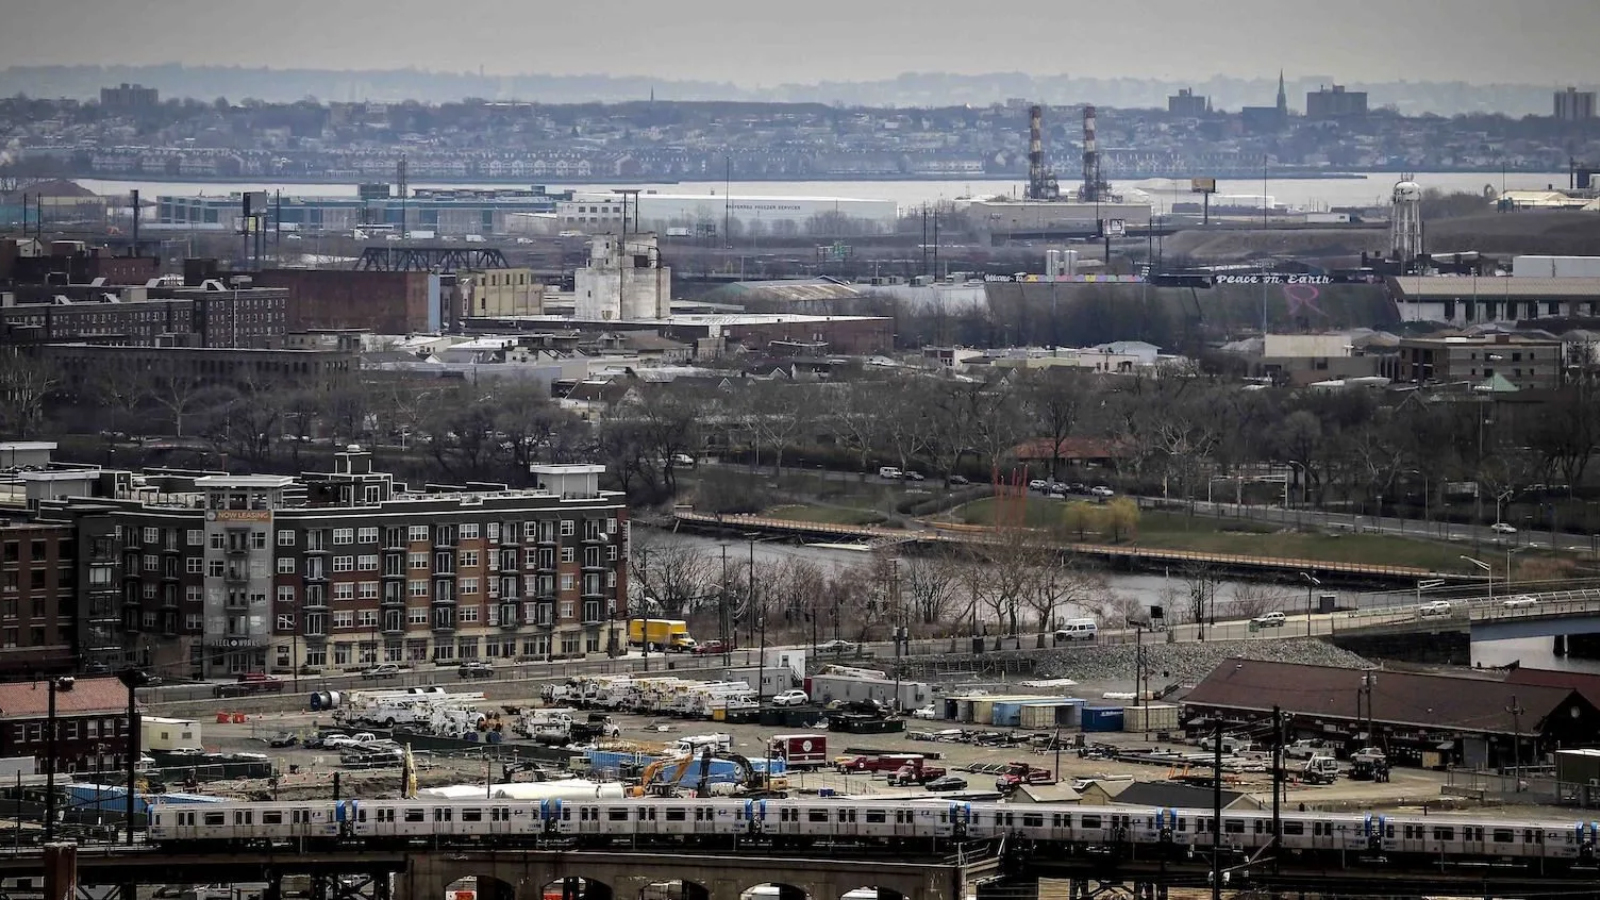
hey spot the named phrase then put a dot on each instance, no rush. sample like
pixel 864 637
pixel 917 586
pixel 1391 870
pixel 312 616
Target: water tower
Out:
pixel 1405 222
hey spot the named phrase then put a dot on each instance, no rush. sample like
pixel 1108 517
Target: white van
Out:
pixel 889 472
pixel 1077 630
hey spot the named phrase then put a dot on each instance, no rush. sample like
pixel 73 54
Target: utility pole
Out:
pixel 1516 711
pixel 899 632
pixel 1216 811
pixel 1369 679
pixel 1277 785
pixel 722 607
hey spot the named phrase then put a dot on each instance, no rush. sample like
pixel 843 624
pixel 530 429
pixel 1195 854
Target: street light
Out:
pixel 1509 551
pixel 1311 582
pixel 1487 568
pixel 64 683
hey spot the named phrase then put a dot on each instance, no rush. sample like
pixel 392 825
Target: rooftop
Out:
pixel 1465 703
pixel 1459 287
pixel 31 699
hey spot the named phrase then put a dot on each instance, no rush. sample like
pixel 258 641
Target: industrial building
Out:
pixel 385 302
pixel 210 315
pixel 1467 300
pixel 1494 363
pixel 456 211
pixel 1430 720
pixel 624 280
pixel 700 215
pixel 1001 220
pixel 217 574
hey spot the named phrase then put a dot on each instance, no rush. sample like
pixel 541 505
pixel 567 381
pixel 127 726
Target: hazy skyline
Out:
pixel 760 44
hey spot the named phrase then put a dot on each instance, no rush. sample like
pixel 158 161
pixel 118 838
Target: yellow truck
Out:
pixel 670 635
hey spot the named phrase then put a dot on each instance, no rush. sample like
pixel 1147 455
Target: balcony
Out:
pixel 393 602
pixel 395 630
pixel 236 574
pixel 510 616
pixel 315 601
pixel 443 628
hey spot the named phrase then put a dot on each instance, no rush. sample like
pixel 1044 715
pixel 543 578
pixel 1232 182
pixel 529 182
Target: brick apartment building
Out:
pixel 214 574
pixel 91 723
pixel 383 302
pixel 208 316
pixel 37 603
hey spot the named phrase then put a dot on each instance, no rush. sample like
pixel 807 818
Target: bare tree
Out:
pixel 930 584
pixel 1247 600
pixel 671 577
pixel 779 413
pixel 1053 399
pixel 24 385
pixel 855 416
pixel 1200 595
pixel 1062 581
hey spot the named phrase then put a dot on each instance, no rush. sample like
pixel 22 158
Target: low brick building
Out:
pixel 383 302
pixel 91 720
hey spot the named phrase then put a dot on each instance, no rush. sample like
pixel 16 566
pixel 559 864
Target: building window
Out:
pixel 194 594
pixel 566 582
pixel 344 563
pixel 152 563
pixel 467 614
pixel 367 590
pixel 193 622
pixel 285 565
pixel 417 588
pixel 196 537
pixel 194 565
pixel 151 535
pixel 285 537
pixel 417 560
pixel 367 562
pixel 214 568
pixel 285 621
pixel 492 532
pixel 285 593
pixel 467 586
pixel 416 616
pixel 344 618
pixel 469 558
pixel 419 533
pixel 469 531
pixel 568 554
pixel 258 540
pixel 568 527
pixel 344 536
pixel 369 618
pixel 344 591
pixel 367 536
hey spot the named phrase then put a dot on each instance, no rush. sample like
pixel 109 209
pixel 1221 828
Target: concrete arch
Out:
pixel 777 890
pixel 574 887
pixel 871 892
pixel 675 889
pixel 480 887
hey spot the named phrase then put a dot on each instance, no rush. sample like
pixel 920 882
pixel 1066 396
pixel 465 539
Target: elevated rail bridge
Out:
pixel 985 870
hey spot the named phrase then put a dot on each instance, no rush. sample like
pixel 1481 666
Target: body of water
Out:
pixel 1304 193
pixel 1148 590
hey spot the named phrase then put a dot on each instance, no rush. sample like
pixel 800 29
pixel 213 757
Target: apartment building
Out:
pixel 216 574
pixel 36 600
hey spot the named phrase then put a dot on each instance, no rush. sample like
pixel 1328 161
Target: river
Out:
pixel 1148 590
pixel 1302 193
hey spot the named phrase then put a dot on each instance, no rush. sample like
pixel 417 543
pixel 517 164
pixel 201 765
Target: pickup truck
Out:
pixel 250 683
pixel 1306 749
pixel 890 763
pixel 916 773
pixel 1020 773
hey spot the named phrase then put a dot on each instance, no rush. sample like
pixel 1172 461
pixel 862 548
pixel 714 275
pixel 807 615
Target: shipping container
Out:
pixel 1006 714
pixel 1102 718
pixel 983 711
pixel 1150 717
pixel 1044 715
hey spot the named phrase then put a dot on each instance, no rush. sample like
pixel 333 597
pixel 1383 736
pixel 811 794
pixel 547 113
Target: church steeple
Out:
pixel 1283 96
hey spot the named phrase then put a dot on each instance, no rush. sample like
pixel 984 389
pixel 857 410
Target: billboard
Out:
pixel 1202 185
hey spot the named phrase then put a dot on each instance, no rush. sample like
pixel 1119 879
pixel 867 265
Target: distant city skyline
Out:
pixel 1533 42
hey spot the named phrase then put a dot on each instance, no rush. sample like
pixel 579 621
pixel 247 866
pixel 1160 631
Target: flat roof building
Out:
pixel 1490 363
pixel 1573 105
pixel 213 575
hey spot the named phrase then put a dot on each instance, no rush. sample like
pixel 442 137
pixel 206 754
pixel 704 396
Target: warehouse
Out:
pixel 1433 720
pixel 709 215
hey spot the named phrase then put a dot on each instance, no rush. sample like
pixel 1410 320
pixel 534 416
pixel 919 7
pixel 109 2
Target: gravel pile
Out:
pixel 1186 662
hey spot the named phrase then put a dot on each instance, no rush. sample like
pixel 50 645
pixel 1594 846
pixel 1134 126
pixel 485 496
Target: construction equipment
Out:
pixel 648 787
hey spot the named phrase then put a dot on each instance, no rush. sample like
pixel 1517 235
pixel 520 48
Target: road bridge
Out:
pixel 1127 555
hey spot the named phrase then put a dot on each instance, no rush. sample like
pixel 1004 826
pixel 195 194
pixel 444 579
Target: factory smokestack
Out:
pixel 1091 159
pixel 1035 151
pixel 1041 181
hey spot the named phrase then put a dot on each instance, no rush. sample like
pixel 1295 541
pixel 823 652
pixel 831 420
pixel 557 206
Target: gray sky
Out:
pixel 765 42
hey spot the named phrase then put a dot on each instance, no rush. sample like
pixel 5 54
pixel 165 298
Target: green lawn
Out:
pixel 1177 531
pixel 830 515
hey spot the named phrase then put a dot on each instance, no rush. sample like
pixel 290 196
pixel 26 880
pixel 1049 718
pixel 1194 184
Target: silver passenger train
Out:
pixel 802 822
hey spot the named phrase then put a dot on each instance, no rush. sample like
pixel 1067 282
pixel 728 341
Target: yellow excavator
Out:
pixel 749 780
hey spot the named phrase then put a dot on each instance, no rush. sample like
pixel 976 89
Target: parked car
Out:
pixel 1308 748
pixel 682 459
pixel 712 646
pixel 382 670
pixel 912 475
pixel 283 739
pixel 1502 528
pixel 1102 491
pixel 1038 484
pixel 958 481
pixel 1270 620
pixel 947 783
pixel 926 712
pixel 791 698
pixel 1078 487
pixel 836 646
pixel 1522 602
pixel 889 473
pixel 476 670
pixel 1231 743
